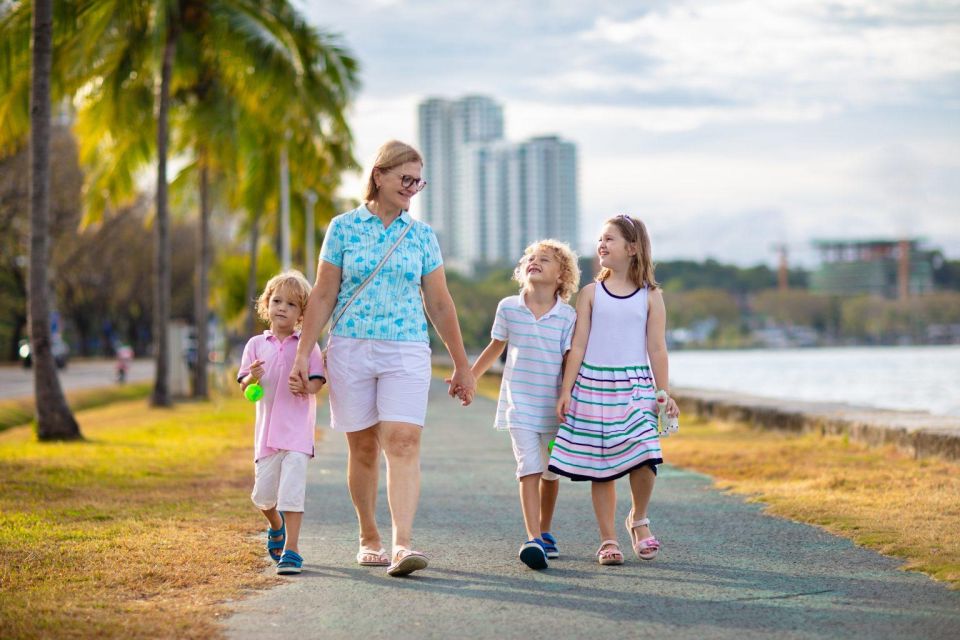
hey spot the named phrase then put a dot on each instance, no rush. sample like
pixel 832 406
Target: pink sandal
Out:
pixel 646 549
pixel 609 553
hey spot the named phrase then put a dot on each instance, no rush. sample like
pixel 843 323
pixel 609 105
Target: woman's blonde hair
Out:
pixel 641 264
pixel 569 267
pixel 391 155
pixel 291 281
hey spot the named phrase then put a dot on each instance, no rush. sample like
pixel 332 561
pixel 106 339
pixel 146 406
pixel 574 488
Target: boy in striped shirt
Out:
pixel 535 327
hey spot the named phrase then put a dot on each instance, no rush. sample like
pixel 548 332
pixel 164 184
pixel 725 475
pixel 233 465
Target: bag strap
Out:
pixel 356 293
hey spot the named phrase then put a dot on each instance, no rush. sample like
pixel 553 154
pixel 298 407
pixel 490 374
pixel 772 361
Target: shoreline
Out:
pixel 920 434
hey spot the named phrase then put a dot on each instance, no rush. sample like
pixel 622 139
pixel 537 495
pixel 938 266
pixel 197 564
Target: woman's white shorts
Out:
pixel 281 481
pixel 375 381
pixel 530 450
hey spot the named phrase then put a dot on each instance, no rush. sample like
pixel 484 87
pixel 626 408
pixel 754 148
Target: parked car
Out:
pixel 61 351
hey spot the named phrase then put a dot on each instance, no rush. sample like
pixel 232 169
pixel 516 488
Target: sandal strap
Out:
pixel 614 543
pixel 642 522
pixel 648 543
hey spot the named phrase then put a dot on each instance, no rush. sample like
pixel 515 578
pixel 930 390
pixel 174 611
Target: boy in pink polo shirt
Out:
pixel 283 441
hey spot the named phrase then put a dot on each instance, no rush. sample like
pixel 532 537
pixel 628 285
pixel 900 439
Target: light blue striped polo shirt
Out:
pixel 533 372
pixel 390 306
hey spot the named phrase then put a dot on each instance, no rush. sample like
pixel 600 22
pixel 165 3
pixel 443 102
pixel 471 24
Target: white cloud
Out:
pixel 717 119
pixel 785 51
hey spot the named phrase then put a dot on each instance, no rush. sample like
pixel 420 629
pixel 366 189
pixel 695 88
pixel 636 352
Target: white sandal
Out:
pixel 406 561
pixel 647 548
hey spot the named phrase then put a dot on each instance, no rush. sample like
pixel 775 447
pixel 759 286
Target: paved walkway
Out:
pixel 725 571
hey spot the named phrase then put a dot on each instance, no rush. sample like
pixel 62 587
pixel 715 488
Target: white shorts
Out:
pixel 375 381
pixel 281 481
pixel 530 450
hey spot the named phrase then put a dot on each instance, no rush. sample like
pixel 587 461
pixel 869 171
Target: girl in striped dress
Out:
pixel 607 404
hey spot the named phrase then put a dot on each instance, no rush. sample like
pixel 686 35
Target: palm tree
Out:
pixel 54 418
pixel 130 59
pixel 257 76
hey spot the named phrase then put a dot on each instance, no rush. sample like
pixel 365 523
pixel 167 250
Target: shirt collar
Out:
pixel 269 334
pixel 554 309
pixel 366 214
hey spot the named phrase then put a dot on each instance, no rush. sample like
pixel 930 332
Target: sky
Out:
pixel 729 127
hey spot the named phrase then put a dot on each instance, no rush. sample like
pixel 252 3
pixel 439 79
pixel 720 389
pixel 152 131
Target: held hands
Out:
pixel 463 385
pixel 299 378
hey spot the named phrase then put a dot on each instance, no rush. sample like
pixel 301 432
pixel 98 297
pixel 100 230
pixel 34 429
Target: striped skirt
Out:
pixel 611 426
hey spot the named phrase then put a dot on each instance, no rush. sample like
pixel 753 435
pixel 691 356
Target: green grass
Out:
pixel 140 531
pixel 20 411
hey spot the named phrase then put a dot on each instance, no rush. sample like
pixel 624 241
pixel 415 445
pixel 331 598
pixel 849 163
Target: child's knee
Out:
pixel 263 500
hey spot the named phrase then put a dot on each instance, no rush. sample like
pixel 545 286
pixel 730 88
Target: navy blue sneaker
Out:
pixel 550 545
pixel 533 555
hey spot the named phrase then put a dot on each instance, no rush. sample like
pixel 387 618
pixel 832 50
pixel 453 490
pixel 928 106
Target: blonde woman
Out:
pixel 378 355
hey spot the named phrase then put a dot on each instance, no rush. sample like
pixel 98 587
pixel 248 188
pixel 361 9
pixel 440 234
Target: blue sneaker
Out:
pixel 290 563
pixel 533 555
pixel 550 545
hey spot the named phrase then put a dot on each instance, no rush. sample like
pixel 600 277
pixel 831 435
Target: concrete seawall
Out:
pixel 919 434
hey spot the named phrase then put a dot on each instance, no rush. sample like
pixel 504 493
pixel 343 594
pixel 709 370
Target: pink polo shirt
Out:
pixel 284 421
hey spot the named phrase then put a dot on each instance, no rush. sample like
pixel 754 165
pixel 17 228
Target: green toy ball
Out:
pixel 550 446
pixel 253 392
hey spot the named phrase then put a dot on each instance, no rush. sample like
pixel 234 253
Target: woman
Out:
pixel 378 357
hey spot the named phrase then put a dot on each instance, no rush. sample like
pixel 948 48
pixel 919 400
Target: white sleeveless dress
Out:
pixel 611 426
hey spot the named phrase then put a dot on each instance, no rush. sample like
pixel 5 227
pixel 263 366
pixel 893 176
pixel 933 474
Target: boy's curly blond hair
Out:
pixel 291 281
pixel 569 267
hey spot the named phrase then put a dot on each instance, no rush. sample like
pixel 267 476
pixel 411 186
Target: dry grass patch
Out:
pixel 144 530
pixel 878 497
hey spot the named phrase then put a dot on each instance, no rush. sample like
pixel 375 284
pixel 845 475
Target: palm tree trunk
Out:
pixel 161 313
pixel 54 419
pixel 252 275
pixel 203 263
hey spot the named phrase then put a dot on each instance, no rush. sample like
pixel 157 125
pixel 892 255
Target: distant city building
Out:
pixel 446 128
pixel 888 268
pixel 491 198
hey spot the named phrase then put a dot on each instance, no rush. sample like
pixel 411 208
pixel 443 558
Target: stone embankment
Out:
pixel 918 433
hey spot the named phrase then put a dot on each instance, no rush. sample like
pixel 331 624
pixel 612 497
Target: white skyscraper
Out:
pixel 491 198
pixel 446 128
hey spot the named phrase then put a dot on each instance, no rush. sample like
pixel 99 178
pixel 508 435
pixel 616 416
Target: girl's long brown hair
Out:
pixel 641 264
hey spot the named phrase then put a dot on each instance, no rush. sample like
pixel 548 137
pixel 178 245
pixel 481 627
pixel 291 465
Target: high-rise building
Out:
pixel 446 128
pixel 491 198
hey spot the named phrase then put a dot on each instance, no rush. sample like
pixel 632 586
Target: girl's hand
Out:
pixel 563 404
pixel 256 370
pixel 673 410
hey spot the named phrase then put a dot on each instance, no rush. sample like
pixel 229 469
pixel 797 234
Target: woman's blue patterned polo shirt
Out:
pixel 390 307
